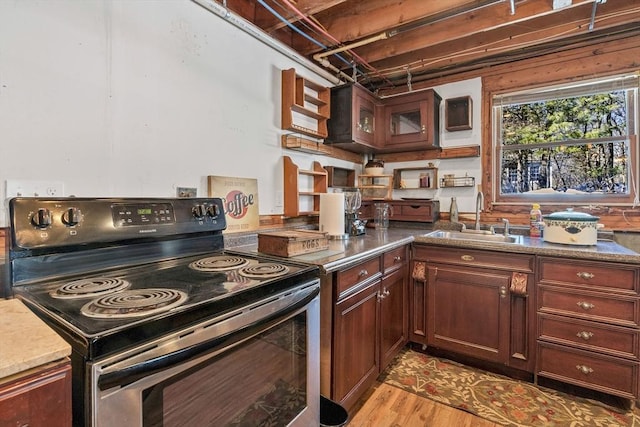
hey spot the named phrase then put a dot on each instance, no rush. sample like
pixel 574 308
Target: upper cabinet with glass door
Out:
pixel 355 118
pixel 412 122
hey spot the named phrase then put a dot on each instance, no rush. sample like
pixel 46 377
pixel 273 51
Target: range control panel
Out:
pixel 47 222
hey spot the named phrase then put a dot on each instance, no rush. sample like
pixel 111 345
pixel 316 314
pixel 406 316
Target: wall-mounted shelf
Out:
pixel 308 99
pixel 302 188
pixel 375 187
pixel 457 181
pixel 415 178
pixel 341 177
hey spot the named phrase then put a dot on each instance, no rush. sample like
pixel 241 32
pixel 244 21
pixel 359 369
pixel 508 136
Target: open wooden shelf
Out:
pixel 295 192
pixel 308 99
pixel 431 172
pixel 376 187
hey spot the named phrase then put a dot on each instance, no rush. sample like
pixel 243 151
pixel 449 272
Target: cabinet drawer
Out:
pixel 620 277
pixel 414 212
pixel 588 305
pixel 613 340
pixel 475 258
pixel 357 274
pixel 606 374
pixel 394 259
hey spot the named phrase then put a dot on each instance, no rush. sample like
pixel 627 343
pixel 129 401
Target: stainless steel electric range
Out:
pixel 167 327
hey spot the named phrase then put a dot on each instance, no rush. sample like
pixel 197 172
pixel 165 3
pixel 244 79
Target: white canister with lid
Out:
pixel 571 228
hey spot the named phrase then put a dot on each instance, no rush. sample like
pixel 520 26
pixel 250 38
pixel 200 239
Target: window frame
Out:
pixel 570 89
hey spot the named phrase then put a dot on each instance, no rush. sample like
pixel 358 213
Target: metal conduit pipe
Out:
pixel 255 32
pixel 321 30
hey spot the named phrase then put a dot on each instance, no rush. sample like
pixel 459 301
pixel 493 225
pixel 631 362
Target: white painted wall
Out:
pixel 138 97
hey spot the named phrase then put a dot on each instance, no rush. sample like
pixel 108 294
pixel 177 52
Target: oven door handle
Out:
pixel 131 374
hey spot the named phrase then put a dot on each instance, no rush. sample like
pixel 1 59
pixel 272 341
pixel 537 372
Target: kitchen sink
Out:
pixel 476 236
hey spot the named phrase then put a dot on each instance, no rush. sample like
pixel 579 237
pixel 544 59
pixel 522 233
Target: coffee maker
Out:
pixel 353 226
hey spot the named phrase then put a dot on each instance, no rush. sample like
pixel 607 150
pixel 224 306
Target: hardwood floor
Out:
pixel 386 406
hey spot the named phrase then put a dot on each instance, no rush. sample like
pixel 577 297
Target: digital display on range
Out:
pixel 142 214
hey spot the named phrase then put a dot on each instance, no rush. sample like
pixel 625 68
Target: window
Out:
pixel 567 144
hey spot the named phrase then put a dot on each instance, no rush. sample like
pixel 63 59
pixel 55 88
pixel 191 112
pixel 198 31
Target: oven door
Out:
pixel 259 365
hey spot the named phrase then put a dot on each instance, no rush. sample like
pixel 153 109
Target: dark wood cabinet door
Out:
pixel 412 122
pixel 42 398
pixel 356 349
pixel 468 311
pixel 394 319
pixel 354 119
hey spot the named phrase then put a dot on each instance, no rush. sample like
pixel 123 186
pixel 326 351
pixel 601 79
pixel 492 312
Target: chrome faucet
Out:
pixel 479 203
pixel 505 221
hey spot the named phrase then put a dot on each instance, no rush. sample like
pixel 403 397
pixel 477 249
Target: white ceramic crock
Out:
pixel 374 167
pixel 571 228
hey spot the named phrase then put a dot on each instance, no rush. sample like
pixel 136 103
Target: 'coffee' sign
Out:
pixel 240 200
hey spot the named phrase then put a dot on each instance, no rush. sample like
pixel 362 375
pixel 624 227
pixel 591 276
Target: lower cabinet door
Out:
pixel 356 349
pixel 42 398
pixel 394 319
pixel 468 311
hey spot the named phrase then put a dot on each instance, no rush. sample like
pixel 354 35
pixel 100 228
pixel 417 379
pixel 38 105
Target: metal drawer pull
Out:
pixel 382 295
pixel 584 335
pixel 585 305
pixel 467 258
pixel 585 275
pixel 397 259
pixel 363 273
pixel 584 369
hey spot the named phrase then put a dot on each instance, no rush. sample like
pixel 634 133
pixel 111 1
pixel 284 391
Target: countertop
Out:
pixel 26 341
pixel 605 250
pixel 345 253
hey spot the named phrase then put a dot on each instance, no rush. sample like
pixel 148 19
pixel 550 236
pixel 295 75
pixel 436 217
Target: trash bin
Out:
pixel 332 414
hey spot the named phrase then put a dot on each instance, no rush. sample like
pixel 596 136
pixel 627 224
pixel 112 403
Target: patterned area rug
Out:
pixel 496 398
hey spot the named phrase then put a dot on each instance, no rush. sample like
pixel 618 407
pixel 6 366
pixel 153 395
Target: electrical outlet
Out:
pixel 186 192
pixel 34 188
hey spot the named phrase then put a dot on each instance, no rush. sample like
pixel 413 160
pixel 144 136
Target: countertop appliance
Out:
pixel 354 226
pixel 166 326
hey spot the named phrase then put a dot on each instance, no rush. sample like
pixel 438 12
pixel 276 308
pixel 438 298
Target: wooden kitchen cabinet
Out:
pixel 40 397
pixel 370 322
pixel 394 305
pixel 355 114
pixel 475 303
pixel 356 360
pixel 405 210
pixel 412 122
pixel 589 324
pixel 363 123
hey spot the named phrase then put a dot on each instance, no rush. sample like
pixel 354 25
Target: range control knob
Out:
pixel 71 216
pixel 199 211
pixel 41 218
pixel 213 211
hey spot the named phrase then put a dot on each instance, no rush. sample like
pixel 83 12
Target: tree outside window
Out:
pixel 568 144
